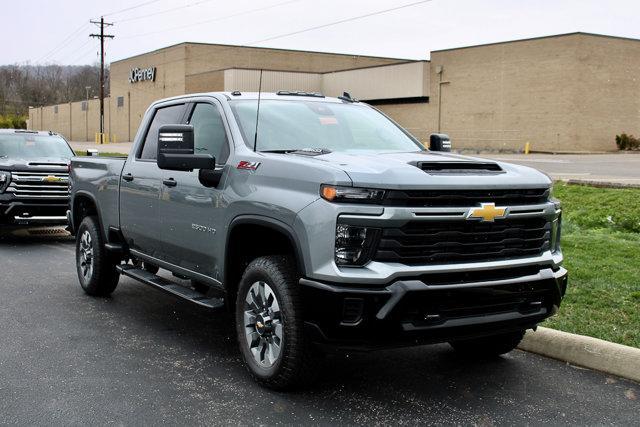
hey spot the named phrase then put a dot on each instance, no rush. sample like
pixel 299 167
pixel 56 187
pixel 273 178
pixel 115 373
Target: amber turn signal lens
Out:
pixel 328 193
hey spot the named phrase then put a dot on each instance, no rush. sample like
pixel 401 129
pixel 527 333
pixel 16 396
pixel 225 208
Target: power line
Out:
pixel 72 53
pixel 65 42
pixel 208 21
pixel 342 21
pixel 126 9
pixel 162 11
pixel 329 24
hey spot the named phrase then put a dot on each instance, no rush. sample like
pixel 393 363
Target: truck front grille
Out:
pixel 39 186
pixel 446 242
pixel 458 198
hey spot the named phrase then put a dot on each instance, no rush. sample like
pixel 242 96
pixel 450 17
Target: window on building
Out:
pixel 120 101
pixel 163 116
pixel 55 109
pixel 84 106
pixel 210 136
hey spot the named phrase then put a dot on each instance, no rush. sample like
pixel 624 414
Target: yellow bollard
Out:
pixel 96 139
pixel 527 146
pixel 113 138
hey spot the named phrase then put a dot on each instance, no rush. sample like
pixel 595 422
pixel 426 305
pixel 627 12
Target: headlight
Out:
pixel 354 245
pixel 338 194
pixel 5 179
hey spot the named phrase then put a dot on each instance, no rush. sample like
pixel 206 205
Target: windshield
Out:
pixel 294 125
pixel 31 146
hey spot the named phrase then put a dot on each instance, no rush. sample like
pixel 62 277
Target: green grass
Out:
pixel 601 246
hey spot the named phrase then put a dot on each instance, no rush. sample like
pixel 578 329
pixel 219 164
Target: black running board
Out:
pixel 170 287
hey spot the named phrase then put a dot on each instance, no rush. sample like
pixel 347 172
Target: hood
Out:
pixel 33 164
pixel 433 170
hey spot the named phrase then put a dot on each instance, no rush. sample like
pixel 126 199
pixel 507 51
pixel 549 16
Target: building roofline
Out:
pixel 575 33
pixel 265 48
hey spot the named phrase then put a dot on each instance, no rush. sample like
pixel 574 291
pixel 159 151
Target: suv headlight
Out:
pixel 354 245
pixel 5 179
pixel 333 193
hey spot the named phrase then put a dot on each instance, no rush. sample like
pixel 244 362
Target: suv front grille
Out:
pixel 446 242
pixel 463 198
pixel 39 185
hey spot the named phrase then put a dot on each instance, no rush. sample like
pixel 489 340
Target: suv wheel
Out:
pixel 269 324
pixel 491 346
pixel 96 269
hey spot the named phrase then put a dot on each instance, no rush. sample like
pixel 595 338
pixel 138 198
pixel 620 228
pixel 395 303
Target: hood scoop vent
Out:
pixel 46 164
pixel 460 168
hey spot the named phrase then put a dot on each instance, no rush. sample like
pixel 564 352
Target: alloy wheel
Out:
pixel 86 255
pixel 263 326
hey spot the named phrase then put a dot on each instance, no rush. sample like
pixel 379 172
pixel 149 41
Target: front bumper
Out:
pixel 431 308
pixel 16 212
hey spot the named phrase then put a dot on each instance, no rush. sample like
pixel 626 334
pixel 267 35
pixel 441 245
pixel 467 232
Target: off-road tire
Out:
pixel 102 278
pixel 297 364
pixel 491 346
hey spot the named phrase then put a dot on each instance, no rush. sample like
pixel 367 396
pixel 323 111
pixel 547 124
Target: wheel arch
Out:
pixel 84 204
pixel 249 229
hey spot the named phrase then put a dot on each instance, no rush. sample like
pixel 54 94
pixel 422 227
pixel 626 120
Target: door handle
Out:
pixel 170 182
pixel 127 177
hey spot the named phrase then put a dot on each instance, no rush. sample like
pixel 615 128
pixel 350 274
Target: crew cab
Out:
pixel 34 178
pixel 321 224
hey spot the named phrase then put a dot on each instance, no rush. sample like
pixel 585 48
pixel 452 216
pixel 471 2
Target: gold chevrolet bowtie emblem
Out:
pixel 51 178
pixel 487 212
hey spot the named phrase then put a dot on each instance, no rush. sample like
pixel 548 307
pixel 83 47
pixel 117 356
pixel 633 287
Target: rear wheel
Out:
pixel 269 325
pixel 95 266
pixel 491 346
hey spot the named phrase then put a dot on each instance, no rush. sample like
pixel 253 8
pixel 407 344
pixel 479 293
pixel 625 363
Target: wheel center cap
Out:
pixel 263 324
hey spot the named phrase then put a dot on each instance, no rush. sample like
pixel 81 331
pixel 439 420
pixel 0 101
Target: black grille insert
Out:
pixel 446 242
pixel 466 198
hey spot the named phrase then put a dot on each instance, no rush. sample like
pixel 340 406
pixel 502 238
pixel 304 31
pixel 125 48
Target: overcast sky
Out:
pixel 46 31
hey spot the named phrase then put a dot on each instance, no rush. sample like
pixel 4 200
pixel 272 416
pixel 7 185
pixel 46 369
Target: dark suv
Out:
pixel 34 177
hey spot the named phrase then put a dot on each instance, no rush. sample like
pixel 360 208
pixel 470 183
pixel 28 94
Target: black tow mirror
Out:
pixel 439 142
pixel 176 150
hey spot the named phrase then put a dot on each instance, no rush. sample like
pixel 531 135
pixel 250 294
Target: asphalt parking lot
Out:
pixel 143 357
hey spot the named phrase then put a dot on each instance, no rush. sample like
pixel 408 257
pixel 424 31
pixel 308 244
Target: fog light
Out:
pixel 354 244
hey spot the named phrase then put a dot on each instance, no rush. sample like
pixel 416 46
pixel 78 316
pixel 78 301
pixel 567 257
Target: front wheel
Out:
pixel 269 325
pixel 96 268
pixel 491 346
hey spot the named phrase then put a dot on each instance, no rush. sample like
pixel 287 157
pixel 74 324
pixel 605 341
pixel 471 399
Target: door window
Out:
pixel 163 116
pixel 210 136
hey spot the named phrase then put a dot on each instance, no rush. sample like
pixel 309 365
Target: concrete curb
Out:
pixel 584 351
pixel 601 184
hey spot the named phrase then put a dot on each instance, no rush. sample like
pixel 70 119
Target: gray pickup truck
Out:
pixel 321 224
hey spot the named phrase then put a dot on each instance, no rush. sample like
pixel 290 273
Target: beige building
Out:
pixel 571 92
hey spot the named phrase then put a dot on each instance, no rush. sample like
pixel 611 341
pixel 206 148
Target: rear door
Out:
pixel 141 186
pixel 193 213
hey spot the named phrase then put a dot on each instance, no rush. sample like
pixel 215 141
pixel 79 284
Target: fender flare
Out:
pixel 273 224
pixel 72 206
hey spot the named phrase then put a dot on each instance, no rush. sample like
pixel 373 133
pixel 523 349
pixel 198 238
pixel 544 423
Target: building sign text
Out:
pixel 142 74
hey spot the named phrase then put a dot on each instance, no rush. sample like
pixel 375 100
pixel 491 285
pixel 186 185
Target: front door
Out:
pixel 192 214
pixel 141 187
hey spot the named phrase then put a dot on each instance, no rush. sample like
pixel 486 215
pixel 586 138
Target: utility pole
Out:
pixel 86 115
pixel 102 36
